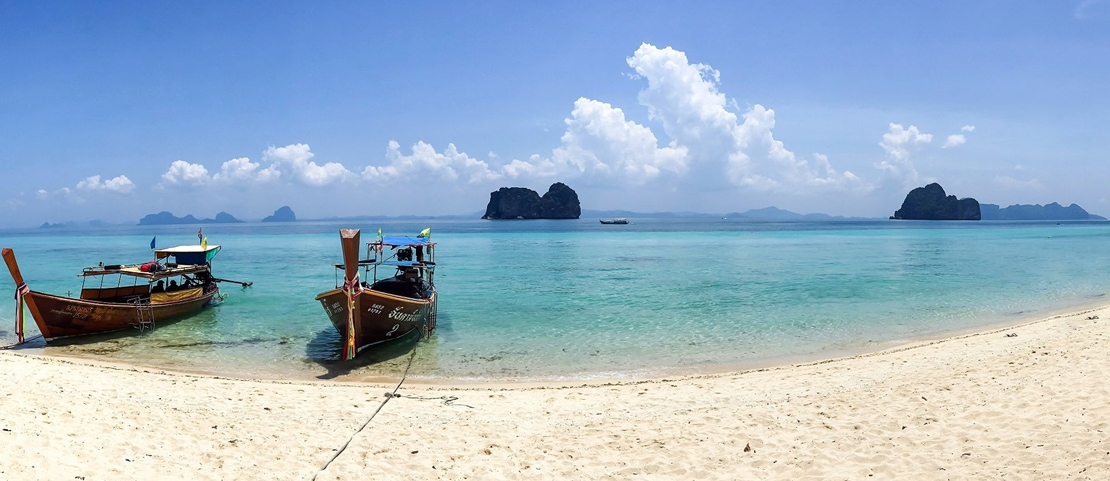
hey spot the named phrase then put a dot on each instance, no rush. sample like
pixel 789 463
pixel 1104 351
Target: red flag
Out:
pixel 200 235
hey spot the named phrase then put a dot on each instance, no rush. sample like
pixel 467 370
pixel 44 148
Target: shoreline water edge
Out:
pixel 1025 401
pixel 398 361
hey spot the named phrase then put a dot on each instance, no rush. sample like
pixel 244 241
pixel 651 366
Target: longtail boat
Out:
pixel 369 313
pixel 117 297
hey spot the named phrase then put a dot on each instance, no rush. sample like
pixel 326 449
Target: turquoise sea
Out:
pixel 571 300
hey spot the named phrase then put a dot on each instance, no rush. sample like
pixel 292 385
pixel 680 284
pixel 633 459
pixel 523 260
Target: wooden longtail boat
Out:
pixel 116 297
pixel 369 313
pixel 620 220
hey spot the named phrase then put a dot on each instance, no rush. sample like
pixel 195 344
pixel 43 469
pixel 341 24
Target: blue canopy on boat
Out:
pixel 401 240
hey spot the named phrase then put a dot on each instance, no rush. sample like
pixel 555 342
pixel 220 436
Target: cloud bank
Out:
pixel 289 162
pixel 701 142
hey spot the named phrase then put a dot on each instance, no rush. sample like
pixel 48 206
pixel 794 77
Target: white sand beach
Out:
pixel 983 406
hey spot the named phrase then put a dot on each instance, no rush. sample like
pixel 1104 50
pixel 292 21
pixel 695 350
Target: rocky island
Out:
pixel 166 218
pixel 931 203
pixel 284 214
pixel 560 202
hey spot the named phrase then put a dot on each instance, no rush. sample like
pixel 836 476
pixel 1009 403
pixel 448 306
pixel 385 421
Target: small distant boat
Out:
pixel 117 297
pixel 620 220
pixel 382 310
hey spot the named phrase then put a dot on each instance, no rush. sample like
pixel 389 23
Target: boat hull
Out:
pixel 384 317
pixel 62 317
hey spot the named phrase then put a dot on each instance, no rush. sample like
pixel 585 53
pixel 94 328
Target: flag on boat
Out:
pixel 353 288
pixel 425 233
pixel 152 242
pixel 20 291
pixel 200 235
pixel 204 244
pixel 350 352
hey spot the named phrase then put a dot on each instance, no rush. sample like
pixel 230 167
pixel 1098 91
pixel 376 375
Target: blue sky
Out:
pixel 357 108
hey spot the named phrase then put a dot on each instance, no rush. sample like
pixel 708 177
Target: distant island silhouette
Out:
pixel 283 214
pixel 1051 211
pixel 773 213
pixel 167 218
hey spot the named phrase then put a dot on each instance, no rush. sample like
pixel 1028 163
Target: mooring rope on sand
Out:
pixel 388 396
pixel 447 400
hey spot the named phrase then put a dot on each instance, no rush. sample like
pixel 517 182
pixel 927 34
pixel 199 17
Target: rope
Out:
pixel 447 400
pixel 388 396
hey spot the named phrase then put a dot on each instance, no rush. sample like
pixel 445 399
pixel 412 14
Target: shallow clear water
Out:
pixel 576 300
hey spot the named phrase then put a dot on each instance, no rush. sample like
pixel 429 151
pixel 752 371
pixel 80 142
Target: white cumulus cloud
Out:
pixel 685 97
pixel 185 174
pixel 954 140
pixel 897 143
pixel 242 170
pixel 450 165
pixel 600 140
pixel 296 158
pixel 120 184
pixel 89 186
pixel 535 167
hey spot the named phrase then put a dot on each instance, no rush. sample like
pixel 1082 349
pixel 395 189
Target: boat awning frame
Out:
pixel 371 262
pixel 134 271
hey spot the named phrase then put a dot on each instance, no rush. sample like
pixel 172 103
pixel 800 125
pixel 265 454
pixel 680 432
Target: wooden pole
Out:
pixel 13 268
pixel 349 238
pixel 244 284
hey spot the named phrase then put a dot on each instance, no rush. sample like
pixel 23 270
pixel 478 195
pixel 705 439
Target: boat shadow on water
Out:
pixel 326 350
pixel 32 341
pixel 179 332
